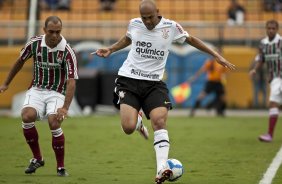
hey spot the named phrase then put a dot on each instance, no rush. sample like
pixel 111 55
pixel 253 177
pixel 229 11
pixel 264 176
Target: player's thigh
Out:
pixel 157 97
pixel 34 102
pixel 128 115
pixel 275 91
pixel 126 92
pixel 54 100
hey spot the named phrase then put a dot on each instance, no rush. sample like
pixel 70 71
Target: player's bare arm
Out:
pixel 197 43
pixel 63 111
pixel 15 69
pixel 257 66
pixel 122 43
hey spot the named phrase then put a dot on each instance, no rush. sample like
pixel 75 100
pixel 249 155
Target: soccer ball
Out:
pixel 176 167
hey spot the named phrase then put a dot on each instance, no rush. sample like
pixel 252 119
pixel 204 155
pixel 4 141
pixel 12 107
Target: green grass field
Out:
pixel 212 150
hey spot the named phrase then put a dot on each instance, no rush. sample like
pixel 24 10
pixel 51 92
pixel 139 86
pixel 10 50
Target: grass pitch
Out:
pixel 212 150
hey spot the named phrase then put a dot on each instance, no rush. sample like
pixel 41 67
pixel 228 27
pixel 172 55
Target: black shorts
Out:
pixel 215 87
pixel 144 94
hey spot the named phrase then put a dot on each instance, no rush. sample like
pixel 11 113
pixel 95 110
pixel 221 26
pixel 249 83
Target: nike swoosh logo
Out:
pixel 165 102
pixel 161 146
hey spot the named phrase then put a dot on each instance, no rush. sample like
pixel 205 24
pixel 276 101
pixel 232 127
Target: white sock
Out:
pixel 161 145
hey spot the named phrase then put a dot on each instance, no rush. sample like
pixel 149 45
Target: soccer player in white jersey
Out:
pixel 50 92
pixel 139 82
pixel 270 54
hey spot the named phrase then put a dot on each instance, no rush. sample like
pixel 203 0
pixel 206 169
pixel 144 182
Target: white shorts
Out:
pixel 44 101
pixel 276 91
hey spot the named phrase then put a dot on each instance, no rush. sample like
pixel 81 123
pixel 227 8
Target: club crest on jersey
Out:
pixel 121 94
pixel 165 33
pixel 60 57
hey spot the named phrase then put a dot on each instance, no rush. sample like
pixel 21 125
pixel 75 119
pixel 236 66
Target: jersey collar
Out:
pixel 161 23
pixel 275 40
pixel 61 46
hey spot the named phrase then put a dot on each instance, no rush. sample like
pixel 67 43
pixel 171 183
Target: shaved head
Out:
pixel 147 5
pixel 149 13
pixel 53 19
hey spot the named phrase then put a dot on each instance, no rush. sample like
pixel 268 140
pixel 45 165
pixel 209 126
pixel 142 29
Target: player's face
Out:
pixel 150 19
pixel 53 34
pixel 271 30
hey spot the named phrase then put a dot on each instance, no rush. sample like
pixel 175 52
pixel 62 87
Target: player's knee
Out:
pixel 159 123
pixel 53 125
pixel 28 117
pixel 128 129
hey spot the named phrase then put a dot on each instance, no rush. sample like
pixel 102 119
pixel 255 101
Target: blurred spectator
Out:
pixel 236 13
pixel 55 4
pixel 272 5
pixel 64 4
pixel 107 5
pixel 1 3
pixel 259 81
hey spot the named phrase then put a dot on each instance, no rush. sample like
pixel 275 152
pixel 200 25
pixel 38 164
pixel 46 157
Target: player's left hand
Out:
pixel 225 63
pixel 61 114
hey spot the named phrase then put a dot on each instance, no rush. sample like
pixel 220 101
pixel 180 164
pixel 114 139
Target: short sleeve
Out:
pixel 180 34
pixel 26 51
pixel 71 64
pixel 129 27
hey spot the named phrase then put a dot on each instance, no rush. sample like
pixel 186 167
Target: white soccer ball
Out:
pixel 176 167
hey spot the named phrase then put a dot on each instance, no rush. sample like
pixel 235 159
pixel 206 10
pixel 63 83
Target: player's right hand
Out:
pixel 252 72
pixel 103 52
pixel 3 88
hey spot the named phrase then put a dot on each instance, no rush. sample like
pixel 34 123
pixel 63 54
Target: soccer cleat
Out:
pixel 34 164
pixel 265 138
pixel 141 128
pixel 163 175
pixel 62 172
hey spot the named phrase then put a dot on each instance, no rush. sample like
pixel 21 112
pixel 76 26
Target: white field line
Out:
pixel 272 169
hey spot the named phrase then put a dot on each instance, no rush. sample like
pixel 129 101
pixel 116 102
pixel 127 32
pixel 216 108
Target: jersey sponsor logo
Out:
pixel 167 23
pixel 165 33
pixel 144 50
pixel 272 56
pixel 140 73
pixel 47 65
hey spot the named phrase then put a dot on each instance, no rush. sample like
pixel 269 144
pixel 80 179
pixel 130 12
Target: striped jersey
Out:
pixel 150 48
pixel 51 67
pixel 271 54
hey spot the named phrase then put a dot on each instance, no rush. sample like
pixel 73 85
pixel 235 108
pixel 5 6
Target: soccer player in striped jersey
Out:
pixel 270 53
pixel 139 84
pixel 50 92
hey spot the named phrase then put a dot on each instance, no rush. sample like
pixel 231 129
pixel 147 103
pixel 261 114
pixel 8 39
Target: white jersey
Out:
pixel 150 48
